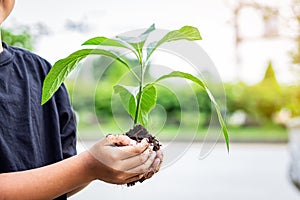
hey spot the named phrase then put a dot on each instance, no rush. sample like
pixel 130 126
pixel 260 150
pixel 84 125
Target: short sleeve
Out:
pixel 67 120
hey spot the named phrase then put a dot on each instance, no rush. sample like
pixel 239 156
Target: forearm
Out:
pixel 71 193
pixel 104 161
pixel 47 182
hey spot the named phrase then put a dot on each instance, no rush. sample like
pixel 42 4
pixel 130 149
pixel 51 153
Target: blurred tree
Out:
pixel 168 99
pixel 270 77
pixel 24 35
pixel 268 99
pixel 260 101
pixel 94 91
pixel 23 39
pixel 107 74
pixel 293 104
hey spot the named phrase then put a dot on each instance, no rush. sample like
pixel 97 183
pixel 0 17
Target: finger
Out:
pixel 133 150
pixel 134 178
pixel 156 165
pixel 149 175
pixel 144 168
pixel 154 168
pixel 157 161
pixel 159 154
pixel 137 160
pixel 119 140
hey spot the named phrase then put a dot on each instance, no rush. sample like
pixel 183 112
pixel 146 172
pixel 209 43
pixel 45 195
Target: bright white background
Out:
pixel 112 17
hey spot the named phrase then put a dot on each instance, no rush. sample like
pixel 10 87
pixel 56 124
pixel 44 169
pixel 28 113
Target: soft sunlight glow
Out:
pixel 213 19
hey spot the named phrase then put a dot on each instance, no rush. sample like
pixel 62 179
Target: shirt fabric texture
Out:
pixel 32 135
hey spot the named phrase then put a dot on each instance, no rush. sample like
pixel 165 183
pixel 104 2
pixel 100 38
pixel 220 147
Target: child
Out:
pixel 38 143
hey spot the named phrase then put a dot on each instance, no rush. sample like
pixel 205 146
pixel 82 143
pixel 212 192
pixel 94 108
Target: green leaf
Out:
pixel 148 102
pixel 202 84
pixel 224 128
pixel 179 74
pixel 222 123
pixel 127 99
pixel 104 41
pixel 185 33
pixel 138 42
pixel 62 68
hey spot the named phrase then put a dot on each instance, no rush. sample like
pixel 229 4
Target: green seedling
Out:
pixel 138 103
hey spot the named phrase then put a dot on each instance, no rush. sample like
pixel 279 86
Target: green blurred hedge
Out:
pixel 260 102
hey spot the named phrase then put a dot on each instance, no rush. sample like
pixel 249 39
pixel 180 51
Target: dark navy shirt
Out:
pixel 31 135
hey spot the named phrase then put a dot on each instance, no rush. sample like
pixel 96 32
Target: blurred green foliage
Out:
pixel 95 93
pixel 292 95
pixel 260 102
pixel 263 100
pixel 23 39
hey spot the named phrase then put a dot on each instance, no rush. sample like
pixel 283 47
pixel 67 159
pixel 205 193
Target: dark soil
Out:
pixel 138 133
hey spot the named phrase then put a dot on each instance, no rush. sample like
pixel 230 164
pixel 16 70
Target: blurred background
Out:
pixel 255 47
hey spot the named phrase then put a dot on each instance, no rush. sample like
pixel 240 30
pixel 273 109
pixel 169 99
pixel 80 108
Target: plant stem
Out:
pixel 138 105
pixel 139 96
pixel 139 56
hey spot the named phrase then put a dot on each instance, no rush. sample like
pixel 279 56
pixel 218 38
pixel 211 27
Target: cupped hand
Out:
pixel 120 160
pixel 155 167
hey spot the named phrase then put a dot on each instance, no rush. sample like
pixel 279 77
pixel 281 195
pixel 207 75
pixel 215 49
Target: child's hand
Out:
pixel 156 164
pixel 120 160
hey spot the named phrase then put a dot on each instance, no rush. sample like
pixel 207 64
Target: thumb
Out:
pixel 119 140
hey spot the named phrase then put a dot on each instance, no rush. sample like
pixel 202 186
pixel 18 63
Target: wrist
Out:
pixel 89 165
